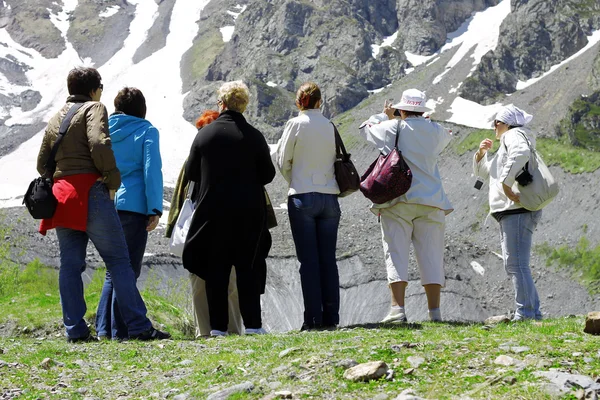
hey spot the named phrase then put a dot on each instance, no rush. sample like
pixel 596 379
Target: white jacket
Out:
pixel 421 141
pixel 510 158
pixel 306 154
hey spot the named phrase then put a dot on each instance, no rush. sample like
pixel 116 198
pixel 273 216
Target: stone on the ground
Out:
pixel 225 393
pixel 182 396
pixel 408 394
pixel 283 394
pixel 367 371
pixel 505 360
pixel 564 382
pixel 519 349
pixel 415 361
pixel 347 363
pixel 592 323
pixel 184 363
pixel 381 396
pixel 285 352
pixel 497 319
pixel 47 363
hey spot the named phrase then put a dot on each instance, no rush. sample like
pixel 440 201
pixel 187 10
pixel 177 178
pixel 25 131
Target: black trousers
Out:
pixel 249 297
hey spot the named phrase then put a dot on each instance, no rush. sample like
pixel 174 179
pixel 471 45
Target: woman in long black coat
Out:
pixel 231 161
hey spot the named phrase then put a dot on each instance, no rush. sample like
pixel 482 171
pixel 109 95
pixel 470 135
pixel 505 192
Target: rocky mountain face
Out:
pixel 290 41
pixel 582 124
pixel 537 35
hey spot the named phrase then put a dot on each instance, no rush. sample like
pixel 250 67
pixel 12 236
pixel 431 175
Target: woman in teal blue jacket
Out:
pixel 135 143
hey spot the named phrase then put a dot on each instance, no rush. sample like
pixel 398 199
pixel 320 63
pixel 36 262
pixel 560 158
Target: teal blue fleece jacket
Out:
pixel 136 146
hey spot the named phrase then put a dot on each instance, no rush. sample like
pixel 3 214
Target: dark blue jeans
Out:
pixel 109 321
pixel 105 231
pixel 314 219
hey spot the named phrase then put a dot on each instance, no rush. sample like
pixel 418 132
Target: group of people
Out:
pixel 108 183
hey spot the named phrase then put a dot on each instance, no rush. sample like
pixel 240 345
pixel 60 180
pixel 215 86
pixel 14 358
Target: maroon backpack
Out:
pixel 388 177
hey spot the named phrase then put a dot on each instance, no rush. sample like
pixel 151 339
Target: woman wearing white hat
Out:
pixel 419 215
pixel 516 223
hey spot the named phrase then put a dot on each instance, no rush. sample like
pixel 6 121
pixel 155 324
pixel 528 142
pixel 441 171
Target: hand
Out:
pixel 510 194
pixel 152 222
pixel 484 146
pixel 388 110
pixel 111 194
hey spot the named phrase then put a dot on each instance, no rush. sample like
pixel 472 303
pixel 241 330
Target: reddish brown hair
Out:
pixel 307 96
pixel 206 118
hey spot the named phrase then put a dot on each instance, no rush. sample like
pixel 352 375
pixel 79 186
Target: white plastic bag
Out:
pixel 182 226
pixel 542 189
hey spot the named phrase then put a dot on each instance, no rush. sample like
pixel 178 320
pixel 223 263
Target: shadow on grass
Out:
pixel 409 325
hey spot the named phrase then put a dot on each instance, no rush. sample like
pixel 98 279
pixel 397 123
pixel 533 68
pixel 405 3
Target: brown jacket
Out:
pixel 86 147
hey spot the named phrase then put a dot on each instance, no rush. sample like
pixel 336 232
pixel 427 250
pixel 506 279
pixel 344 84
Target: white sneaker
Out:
pixel 258 331
pixel 215 332
pixel 435 315
pixel 395 315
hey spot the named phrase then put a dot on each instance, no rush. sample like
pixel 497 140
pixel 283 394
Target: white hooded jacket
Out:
pixel 510 158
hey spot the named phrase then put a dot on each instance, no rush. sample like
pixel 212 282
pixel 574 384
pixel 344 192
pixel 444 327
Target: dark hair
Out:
pixel 83 81
pixel 413 113
pixel 131 101
pixel 307 96
pixel 206 118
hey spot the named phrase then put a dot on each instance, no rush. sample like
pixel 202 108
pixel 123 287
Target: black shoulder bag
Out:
pixel 345 172
pixel 39 199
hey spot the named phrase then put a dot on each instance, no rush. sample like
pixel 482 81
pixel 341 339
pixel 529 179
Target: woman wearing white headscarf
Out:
pixel 516 223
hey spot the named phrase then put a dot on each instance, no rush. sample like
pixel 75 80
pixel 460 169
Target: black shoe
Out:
pixel 82 339
pixel 310 327
pixel 151 334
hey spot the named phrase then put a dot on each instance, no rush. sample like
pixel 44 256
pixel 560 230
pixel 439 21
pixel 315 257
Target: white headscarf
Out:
pixel 513 116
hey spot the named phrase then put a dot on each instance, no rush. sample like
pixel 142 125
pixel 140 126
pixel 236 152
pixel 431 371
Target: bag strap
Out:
pixel 340 149
pixel 62 131
pixel 397 135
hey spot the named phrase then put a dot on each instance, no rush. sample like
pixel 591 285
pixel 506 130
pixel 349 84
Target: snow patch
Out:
pixel 241 9
pixel 408 70
pixel 271 84
pixel 455 89
pixel 416 59
pixel 387 42
pixel 469 113
pixel 164 96
pixel 478 34
pixel 592 40
pixel 433 103
pixel 109 12
pixel 227 32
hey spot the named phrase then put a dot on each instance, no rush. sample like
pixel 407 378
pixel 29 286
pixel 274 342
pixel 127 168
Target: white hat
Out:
pixel 412 100
pixel 513 116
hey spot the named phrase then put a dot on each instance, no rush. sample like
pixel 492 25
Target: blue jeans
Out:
pixel 517 231
pixel 314 219
pixel 105 231
pixel 109 321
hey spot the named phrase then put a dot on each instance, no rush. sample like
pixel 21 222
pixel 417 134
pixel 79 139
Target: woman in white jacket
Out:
pixel 516 223
pixel 419 215
pixel 305 158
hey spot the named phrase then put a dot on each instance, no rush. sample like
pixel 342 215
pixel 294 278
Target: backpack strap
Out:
pixel 62 131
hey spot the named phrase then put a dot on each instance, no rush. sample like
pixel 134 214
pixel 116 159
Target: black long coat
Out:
pixel 231 161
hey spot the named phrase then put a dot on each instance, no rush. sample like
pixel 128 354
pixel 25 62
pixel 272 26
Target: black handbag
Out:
pixel 39 199
pixel 346 174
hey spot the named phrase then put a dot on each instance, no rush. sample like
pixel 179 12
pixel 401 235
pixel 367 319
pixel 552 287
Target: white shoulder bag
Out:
pixel 182 226
pixel 542 189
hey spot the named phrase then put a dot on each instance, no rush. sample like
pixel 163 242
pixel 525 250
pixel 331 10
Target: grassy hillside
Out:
pixel 444 360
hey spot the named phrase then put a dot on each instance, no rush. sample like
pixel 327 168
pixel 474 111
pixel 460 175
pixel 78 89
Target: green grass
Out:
pixel 583 261
pixel 205 49
pixel 471 142
pixel 458 358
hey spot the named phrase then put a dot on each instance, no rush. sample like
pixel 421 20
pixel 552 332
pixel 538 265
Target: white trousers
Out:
pixel 422 225
pixel 200 306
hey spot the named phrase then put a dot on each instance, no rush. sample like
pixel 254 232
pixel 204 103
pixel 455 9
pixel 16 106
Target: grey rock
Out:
pixel 497 319
pixel 381 396
pixel 565 381
pixel 347 363
pixel 225 393
pixel 274 385
pixel 47 363
pixel 505 360
pixel 366 371
pixel 284 394
pixel 519 349
pixel 185 363
pixel 415 361
pixel 289 351
pixel 408 394
pixel 182 396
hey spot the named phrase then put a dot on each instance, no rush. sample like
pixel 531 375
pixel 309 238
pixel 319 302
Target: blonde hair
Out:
pixel 235 95
pixel 307 96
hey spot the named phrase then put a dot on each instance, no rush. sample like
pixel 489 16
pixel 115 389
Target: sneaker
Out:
pixel 82 339
pixel 435 315
pixel 215 333
pixel 151 334
pixel 257 331
pixel 394 316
